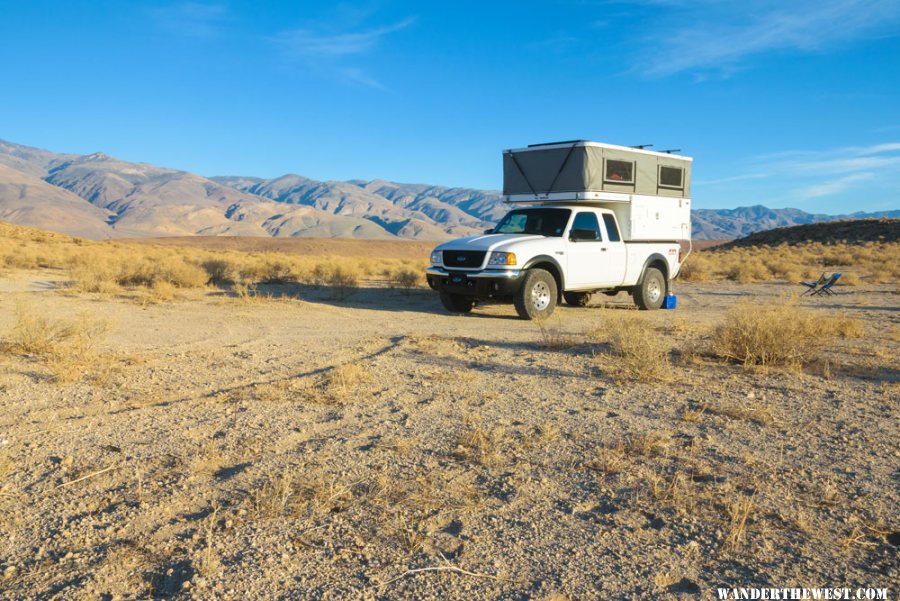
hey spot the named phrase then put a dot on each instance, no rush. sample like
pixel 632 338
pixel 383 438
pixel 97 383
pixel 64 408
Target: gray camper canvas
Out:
pixel 583 166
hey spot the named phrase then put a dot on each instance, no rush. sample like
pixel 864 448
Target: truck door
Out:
pixel 583 251
pixel 615 260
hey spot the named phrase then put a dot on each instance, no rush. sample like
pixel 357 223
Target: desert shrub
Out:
pixel 781 334
pixel 219 271
pixel 162 291
pixel 171 269
pixel 698 267
pixel 275 270
pixel 845 327
pixel 405 279
pixel 343 282
pixel 319 275
pixel 642 351
pixel 750 270
pixel 97 276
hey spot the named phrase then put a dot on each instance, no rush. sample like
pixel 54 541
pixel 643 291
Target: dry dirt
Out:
pixel 376 447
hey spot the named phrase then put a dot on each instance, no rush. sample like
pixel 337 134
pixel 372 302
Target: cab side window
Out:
pixel 612 232
pixel 583 225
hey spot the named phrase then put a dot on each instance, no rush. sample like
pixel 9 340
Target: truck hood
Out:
pixel 487 241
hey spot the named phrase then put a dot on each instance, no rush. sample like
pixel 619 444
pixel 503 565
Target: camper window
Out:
pixel 619 172
pixel 671 177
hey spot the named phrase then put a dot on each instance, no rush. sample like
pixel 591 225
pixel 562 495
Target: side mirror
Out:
pixel 581 234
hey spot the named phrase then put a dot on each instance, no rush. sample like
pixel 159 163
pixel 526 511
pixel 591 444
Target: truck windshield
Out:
pixel 543 222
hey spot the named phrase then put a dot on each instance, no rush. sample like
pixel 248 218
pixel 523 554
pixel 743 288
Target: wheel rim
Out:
pixel 654 290
pixel 540 296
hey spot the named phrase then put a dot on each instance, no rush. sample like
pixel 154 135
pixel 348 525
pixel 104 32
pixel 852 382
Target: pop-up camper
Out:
pixel 648 191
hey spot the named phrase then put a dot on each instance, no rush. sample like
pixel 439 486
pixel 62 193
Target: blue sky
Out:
pixel 780 103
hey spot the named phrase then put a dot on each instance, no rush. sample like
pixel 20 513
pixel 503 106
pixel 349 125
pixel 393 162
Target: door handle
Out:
pixel 603 248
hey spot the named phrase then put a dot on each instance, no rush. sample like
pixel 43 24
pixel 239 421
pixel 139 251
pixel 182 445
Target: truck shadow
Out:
pixel 372 298
pixel 417 300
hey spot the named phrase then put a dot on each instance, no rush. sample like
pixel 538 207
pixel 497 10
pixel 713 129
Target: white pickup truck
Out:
pixel 538 253
pixel 593 217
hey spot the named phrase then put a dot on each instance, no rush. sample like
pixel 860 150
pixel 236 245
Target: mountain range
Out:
pixel 98 196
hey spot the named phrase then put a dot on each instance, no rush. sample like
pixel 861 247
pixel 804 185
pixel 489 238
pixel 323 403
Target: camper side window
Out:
pixel 619 172
pixel 671 177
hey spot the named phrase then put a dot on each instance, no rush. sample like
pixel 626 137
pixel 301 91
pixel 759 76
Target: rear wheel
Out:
pixel 650 292
pixel 577 299
pixel 536 298
pixel 456 303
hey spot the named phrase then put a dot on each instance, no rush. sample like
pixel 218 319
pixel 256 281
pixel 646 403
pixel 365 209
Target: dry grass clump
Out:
pixel 554 337
pixel 642 351
pixel 738 511
pixel 343 381
pixel 66 347
pixel 480 445
pixel 609 460
pixel 846 327
pixel 778 334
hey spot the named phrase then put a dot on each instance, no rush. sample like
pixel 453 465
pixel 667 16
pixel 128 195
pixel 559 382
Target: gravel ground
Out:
pixel 378 448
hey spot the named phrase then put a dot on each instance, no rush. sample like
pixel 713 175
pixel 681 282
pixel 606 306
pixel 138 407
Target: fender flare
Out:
pixel 548 259
pixel 652 259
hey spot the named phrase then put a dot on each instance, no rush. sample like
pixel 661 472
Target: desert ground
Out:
pixel 300 441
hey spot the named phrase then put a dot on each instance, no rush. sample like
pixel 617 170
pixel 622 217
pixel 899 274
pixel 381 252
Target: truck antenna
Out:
pixel 641 146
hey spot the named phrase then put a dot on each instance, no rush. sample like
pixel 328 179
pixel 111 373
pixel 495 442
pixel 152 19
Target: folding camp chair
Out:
pixel 826 287
pixel 812 286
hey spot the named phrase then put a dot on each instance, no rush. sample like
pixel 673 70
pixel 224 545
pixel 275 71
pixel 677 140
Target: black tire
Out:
pixel 536 298
pixel 577 299
pixel 651 292
pixel 456 303
pixel 611 292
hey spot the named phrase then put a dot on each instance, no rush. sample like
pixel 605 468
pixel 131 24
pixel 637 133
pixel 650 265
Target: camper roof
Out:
pixel 571 143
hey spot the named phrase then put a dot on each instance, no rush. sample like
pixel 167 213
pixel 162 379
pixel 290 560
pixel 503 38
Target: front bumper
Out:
pixel 487 283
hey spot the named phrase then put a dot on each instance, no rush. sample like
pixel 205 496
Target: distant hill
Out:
pixel 728 224
pixel 99 196
pixel 853 232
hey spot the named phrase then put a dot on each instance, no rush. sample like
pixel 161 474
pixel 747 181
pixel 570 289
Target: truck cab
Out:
pixel 538 255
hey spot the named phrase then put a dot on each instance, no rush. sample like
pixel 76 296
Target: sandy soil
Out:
pixel 376 447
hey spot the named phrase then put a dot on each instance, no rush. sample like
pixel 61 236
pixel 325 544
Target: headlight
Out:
pixel 437 257
pixel 498 258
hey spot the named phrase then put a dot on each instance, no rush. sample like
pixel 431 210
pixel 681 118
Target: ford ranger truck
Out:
pixel 537 256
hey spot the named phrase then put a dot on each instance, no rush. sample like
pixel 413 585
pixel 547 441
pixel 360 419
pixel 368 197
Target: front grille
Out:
pixel 464 258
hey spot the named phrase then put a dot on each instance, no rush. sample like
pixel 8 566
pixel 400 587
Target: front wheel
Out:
pixel 536 298
pixel 650 292
pixel 457 303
